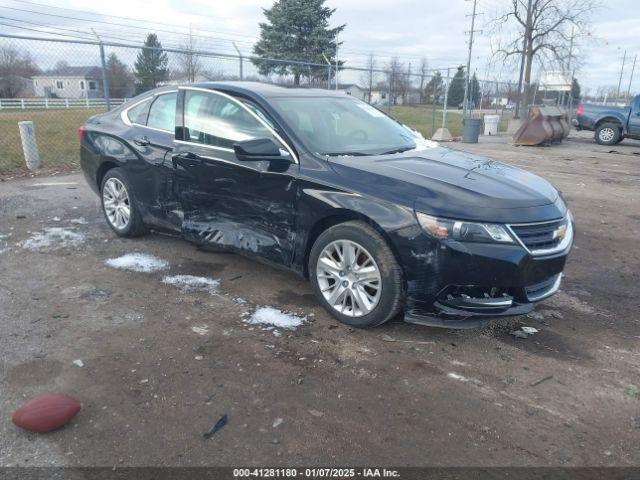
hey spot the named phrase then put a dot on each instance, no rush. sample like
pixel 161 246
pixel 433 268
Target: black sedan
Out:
pixel 377 218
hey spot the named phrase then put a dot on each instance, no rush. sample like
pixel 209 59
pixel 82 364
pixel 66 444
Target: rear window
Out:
pixel 138 114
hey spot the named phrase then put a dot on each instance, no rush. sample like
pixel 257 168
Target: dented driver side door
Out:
pixel 246 206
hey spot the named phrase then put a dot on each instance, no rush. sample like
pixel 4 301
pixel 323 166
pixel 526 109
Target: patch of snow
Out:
pixel 275 317
pixel 529 330
pixel 138 262
pixel 78 363
pixel 276 333
pixel 53 238
pixel 200 330
pixel 79 221
pixel 458 377
pixel 277 422
pixel 191 283
pixel 56 219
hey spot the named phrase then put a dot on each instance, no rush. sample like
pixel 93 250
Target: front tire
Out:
pixel 608 134
pixel 119 206
pixel 355 275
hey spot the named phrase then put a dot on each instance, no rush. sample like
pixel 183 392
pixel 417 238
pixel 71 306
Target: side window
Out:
pixel 138 114
pixel 214 120
pixel 162 114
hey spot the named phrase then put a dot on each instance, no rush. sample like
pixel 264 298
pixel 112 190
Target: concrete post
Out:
pixel 29 145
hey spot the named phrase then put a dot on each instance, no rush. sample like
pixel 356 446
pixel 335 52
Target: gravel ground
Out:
pixel 163 361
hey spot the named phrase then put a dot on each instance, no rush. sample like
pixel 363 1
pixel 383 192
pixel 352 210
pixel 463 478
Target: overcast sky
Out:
pixel 408 28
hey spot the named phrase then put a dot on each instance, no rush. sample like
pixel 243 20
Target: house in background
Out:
pixel 353 90
pixel 69 82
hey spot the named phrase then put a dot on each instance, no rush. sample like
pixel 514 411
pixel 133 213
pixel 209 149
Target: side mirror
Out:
pixel 258 150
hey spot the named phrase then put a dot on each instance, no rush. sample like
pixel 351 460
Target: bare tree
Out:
pixel 188 60
pixel 540 31
pixel 369 77
pixel 396 78
pixel 423 72
pixel 16 62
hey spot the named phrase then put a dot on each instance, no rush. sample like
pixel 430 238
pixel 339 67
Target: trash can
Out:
pixel 491 124
pixel 471 130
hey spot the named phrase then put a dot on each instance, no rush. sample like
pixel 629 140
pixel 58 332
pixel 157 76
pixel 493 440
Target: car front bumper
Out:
pixel 463 285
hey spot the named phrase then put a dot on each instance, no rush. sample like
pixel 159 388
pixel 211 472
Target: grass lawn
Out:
pixel 420 118
pixel 56 134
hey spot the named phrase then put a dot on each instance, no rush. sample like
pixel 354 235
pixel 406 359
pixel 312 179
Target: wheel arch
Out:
pixel 609 119
pixel 103 169
pixel 336 217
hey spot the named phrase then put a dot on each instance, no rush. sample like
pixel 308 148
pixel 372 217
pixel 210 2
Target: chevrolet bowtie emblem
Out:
pixel 560 232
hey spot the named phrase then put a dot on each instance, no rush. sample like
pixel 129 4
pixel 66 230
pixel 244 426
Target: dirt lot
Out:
pixel 151 385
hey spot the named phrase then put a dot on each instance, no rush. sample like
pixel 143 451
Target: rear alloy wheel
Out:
pixel 118 205
pixel 355 275
pixel 608 134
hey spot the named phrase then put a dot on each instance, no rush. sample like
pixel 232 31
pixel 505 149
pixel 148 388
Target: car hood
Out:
pixel 454 184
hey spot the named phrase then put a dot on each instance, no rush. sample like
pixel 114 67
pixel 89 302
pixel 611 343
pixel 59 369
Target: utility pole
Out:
pixel 624 59
pixel 633 69
pixel 525 44
pixel 466 83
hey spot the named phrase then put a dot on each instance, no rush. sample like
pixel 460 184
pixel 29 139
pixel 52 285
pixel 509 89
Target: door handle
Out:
pixel 141 141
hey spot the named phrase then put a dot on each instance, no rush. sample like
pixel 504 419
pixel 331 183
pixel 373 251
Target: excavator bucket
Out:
pixel 544 125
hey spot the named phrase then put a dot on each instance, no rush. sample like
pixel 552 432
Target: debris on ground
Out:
pixel 388 338
pixel 192 284
pixel 316 413
pixel 200 330
pixel 53 238
pixel 456 376
pixel 524 332
pixel 78 363
pixel 537 316
pixel 138 262
pixel 217 426
pixel 275 317
pixel 46 412
pixel 277 422
pixel 542 380
pixel 632 391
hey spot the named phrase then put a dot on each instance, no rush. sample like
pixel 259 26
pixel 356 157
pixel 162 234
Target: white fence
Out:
pixel 56 103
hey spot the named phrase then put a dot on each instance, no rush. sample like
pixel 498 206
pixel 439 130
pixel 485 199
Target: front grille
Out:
pixel 543 289
pixel 543 237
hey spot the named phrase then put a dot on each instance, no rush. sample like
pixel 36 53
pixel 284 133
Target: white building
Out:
pixel 353 90
pixel 69 82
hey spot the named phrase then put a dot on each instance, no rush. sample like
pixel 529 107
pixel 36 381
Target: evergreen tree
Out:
pixel 434 89
pixel 474 91
pixel 456 89
pixel 575 91
pixel 296 30
pixel 120 79
pixel 151 65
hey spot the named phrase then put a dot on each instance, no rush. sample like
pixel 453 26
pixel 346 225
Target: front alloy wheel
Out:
pixel 349 278
pixel 355 275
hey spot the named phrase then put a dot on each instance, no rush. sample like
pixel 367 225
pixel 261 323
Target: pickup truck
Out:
pixel 610 124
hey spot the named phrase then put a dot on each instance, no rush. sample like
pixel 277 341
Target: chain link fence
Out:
pixel 58 84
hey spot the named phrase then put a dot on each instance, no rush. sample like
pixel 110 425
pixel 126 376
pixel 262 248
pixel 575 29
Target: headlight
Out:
pixel 464 231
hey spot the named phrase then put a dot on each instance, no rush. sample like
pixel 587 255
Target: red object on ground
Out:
pixel 46 412
pixel 580 110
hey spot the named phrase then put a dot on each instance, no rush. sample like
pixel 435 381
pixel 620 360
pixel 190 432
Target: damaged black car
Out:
pixel 378 219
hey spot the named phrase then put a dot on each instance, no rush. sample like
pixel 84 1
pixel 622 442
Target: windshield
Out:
pixel 343 126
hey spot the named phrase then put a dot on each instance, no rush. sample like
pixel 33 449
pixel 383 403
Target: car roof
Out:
pixel 267 90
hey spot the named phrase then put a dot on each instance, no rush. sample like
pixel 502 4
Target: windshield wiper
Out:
pixel 346 154
pixel 398 150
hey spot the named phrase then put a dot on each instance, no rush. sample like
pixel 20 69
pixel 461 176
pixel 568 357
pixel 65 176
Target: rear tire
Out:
pixel 119 206
pixel 371 284
pixel 608 134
